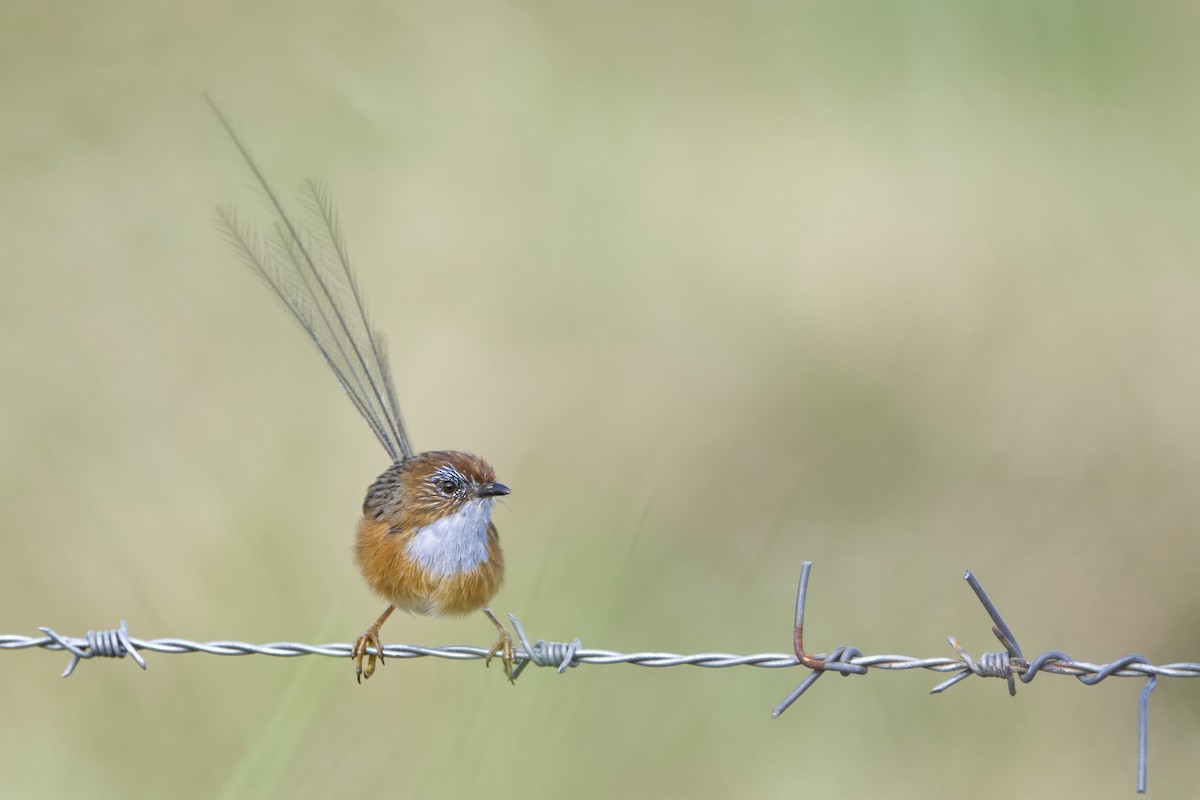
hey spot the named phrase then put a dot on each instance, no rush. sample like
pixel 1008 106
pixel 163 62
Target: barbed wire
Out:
pixel 1009 664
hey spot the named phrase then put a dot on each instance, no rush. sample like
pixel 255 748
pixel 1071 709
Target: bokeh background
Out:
pixel 898 289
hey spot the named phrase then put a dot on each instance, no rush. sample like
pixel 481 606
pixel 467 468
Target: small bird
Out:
pixel 426 542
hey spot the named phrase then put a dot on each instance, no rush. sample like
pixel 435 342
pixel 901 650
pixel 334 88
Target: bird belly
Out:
pixel 423 579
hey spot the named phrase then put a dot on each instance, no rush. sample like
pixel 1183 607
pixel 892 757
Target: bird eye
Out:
pixel 447 486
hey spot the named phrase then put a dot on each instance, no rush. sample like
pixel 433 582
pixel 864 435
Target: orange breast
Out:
pixel 401 581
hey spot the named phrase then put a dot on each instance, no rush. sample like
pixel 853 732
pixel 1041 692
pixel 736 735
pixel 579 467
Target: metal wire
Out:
pixel 459 652
pixel 1009 664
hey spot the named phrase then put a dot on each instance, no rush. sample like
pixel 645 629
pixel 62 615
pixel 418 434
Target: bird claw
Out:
pixel 503 647
pixel 368 639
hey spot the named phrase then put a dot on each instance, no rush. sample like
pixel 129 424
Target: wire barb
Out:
pixel 103 644
pixel 543 653
pixel 840 660
pixel 1004 665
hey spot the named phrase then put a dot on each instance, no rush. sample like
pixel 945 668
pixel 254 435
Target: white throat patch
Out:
pixel 454 543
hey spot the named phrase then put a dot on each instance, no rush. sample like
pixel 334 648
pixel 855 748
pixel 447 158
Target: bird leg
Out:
pixel 503 646
pixel 370 639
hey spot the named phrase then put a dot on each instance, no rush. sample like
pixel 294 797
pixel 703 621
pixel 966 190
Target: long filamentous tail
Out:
pixel 307 266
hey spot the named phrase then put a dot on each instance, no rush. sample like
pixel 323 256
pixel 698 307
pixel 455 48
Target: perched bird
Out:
pixel 426 542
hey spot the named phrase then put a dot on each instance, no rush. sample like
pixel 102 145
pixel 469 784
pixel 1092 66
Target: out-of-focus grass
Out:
pixel 898 290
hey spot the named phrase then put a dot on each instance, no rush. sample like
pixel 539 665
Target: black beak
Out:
pixel 491 490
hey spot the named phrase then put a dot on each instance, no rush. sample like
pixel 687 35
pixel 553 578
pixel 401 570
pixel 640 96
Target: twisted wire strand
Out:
pixel 1009 664
pixel 554 654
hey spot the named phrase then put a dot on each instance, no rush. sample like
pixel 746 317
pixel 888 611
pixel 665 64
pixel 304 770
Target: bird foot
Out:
pixel 368 639
pixel 503 647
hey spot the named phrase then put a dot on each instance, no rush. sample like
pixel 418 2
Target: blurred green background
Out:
pixel 900 290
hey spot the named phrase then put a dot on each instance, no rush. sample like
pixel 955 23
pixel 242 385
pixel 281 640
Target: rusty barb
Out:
pixel 1009 663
